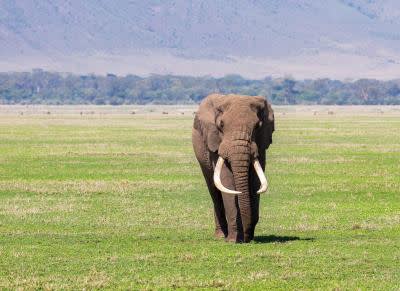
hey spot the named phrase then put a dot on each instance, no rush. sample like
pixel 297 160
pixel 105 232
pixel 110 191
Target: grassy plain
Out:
pixel 102 198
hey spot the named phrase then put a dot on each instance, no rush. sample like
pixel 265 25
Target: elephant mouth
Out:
pixel 222 188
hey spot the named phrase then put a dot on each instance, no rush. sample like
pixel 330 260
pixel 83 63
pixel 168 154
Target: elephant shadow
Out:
pixel 279 239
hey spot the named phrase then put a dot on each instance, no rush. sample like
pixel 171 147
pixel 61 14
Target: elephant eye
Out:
pixel 221 124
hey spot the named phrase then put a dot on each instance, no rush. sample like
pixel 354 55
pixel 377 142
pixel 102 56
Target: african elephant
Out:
pixel 230 136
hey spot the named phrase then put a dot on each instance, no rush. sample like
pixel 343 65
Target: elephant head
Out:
pixel 238 129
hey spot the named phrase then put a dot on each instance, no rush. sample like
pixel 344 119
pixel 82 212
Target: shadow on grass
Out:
pixel 279 239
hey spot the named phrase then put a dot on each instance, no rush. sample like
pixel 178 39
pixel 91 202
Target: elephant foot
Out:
pixel 219 233
pixel 247 239
pixel 233 238
pixel 250 236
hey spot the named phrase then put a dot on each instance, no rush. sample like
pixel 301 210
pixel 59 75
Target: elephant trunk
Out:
pixel 240 162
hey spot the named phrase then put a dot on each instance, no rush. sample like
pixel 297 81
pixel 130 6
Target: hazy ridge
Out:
pixel 333 38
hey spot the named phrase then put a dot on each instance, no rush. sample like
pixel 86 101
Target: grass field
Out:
pixel 102 198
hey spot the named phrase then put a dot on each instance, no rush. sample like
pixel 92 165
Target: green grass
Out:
pixel 118 201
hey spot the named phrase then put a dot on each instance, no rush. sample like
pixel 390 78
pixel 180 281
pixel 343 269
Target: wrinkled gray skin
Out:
pixel 239 129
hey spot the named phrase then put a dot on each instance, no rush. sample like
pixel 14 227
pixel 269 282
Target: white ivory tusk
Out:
pixel 261 176
pixel 217 178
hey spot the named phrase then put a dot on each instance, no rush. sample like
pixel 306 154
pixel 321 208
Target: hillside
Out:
pixel 333 38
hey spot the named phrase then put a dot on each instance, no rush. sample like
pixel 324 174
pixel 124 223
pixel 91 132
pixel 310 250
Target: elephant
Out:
pixel 230 136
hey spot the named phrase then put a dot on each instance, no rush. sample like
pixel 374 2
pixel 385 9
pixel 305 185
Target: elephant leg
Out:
pixel 235 231
pixel 254 183
pixel 205 161
pixel 221 229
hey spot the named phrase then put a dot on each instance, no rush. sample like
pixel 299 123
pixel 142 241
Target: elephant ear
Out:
pixel 205 122
pixel 268 127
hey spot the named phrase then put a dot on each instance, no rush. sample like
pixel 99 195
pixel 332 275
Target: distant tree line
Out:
pixel 41 87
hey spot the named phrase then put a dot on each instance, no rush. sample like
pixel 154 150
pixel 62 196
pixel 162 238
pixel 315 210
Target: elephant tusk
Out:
pixel 217 178
pixel 261 176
